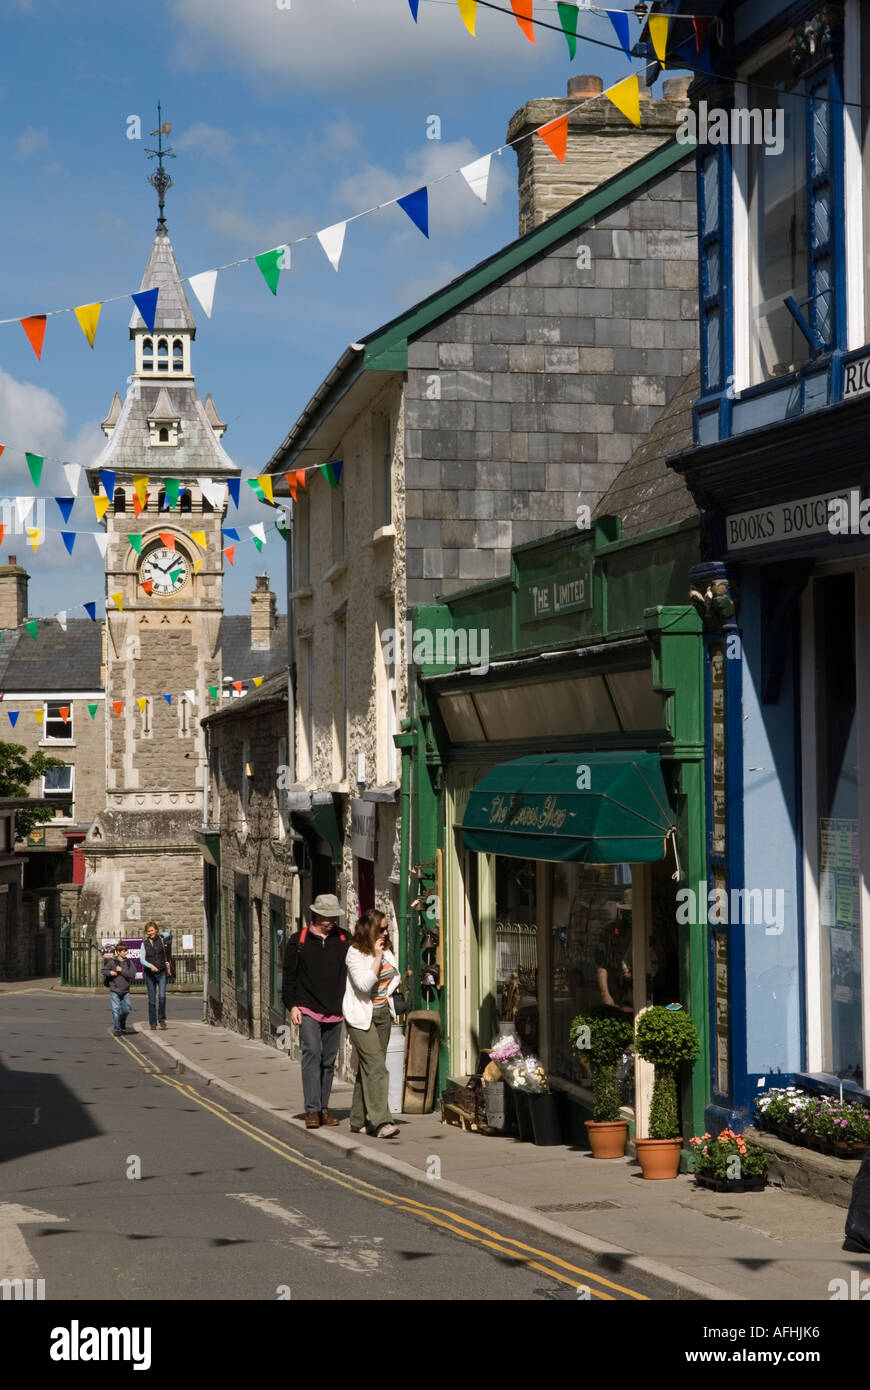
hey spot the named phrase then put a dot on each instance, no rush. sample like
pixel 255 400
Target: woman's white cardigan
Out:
pixel 362 984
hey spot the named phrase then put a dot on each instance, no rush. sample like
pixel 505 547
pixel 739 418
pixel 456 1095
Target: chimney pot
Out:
pixel 13 595
pixel 12 560
pixel 263 603
pixel 676 88
pixel 585 85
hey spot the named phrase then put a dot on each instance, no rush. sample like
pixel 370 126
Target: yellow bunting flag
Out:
pixel 35 537
pixel 468 10
pixel 197 566
pixel 117 600
pixel 626 98
pixel 38 715
pixel 258 680
pixel 142 701
pixel 658 32
pixel 101 506
pixel 199 537
pixel 140 487
pixel 266 484
pixel 88 316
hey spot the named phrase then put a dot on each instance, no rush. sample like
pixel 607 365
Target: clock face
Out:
pixel 168 570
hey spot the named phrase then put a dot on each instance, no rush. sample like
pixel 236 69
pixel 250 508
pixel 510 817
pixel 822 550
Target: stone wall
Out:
pixel 86 751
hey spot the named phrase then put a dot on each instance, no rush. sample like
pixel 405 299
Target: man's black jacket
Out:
pixel 315 972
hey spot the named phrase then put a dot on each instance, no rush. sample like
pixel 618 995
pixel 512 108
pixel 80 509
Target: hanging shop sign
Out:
pixel 549 596
pixel 784 521
pixel 362 828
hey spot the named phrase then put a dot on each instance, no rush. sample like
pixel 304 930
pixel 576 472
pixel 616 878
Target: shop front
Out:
pixel 572 808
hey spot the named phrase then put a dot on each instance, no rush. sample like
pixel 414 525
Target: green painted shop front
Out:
pixel 560 774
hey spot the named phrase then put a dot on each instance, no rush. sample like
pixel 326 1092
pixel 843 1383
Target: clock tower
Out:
pixel 168 473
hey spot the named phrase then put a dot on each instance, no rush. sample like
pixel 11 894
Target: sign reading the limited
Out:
pixel 784 521
pixel 552 595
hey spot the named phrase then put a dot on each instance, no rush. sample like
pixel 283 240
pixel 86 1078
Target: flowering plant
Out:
pixel 505 1051
pixel 817 1117
pixel 782 1105
pixel 728 1156
pixel 526 1074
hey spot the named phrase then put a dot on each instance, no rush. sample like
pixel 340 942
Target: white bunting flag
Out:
pixel 332 241
pixel 214 493
pixel 191 696
pixel 203 287
pixel 73 472
pixel 23 508
pixel 476 175
pixel 102 541
pixel 61 618
pixel 258 530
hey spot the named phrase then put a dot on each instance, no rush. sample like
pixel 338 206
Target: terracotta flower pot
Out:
pixel 659 1158
pixel 607 1138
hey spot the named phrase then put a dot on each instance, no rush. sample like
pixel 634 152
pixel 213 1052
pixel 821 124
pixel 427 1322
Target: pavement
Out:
pixel 774 1246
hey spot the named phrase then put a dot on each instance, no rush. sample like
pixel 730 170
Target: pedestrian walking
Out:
pixel 372 977
pixel 858 1217
pixel 157 965
pixel 119 973
pixel 312 988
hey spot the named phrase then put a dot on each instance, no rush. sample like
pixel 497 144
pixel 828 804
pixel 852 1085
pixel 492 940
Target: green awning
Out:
pixel 592 808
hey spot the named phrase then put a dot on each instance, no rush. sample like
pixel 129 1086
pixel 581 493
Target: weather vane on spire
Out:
pixel 160 179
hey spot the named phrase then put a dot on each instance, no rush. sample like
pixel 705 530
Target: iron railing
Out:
pixel 81 965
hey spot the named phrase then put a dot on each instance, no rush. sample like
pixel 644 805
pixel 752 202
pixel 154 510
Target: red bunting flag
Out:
pixel 523 11
pixel 2 447
pixel 555 135
pixel 168 539
pixel 148 585
pixel 139 507
pixel 117 706
pixel 34 327
pixel 700 27
pixel 237 685
pixel 230 552
pixel 2 533
pixel 63 711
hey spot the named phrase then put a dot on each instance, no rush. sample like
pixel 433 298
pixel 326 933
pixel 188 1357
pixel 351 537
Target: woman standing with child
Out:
pixel 372 977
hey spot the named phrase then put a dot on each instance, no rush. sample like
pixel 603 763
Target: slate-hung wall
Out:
pixel 548 382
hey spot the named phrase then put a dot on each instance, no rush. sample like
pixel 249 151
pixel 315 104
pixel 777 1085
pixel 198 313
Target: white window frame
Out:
pixel 70 767
pixel 62 739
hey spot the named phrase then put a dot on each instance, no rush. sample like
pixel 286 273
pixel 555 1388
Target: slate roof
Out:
pixel 239 659
pixel 273 688
pixel 129 451
pixel 646 494
pixel 73 657
pixel 161 273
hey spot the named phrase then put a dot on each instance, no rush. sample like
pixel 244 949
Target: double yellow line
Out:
pixel 572 1275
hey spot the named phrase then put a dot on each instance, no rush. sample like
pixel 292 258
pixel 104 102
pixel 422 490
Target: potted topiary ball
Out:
pixel 666 1036
pixel 604 1033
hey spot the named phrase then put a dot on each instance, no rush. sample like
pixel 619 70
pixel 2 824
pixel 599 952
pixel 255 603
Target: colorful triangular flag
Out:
pixel 34 327
pixel 92 711
pixel 237 686
pixel 148 586
pixel 415 5
pixel 555 135
pixel 34 464
pixel 199 537
pixel 66 505
pixel 523 11
pixel 63 711
pixel 168 539
pixel 142 701
pixel 234 485
pixel 332 472
pixel 332 241
pixel 146 303
pixel 258 680
pixel 13 716
pixel 117 599
pixel 203 287
pixel 136 541
pixel 230 532
pixel 23 508
pixel 626 97
pixel 265 480
pixel 568 20
pixel 69 540
pixel 271 263
pixel 73 472
pixel 101 540
pixel 101 506
pixel 416 205
pixel 619 20
pixel 171 486
pixel 230 553
pixel 476 175
pixel 190 696
pixel 140 487
pixel 39 715
pixel 117 706
pixel 213 692
pixel 197 565
pixel 658 32
pixel 140 505
pixel 61 618
pixel 468 10
pixel 107 482
pixel 91 610
pixel 31 628
pixel 35 537
pixel 168 699
pixel 700 27
pixel 88 316
pixel 258 491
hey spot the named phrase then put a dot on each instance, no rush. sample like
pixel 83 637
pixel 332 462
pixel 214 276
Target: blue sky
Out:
pixel 284 121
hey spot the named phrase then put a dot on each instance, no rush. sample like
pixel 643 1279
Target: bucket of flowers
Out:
pixel 728 1164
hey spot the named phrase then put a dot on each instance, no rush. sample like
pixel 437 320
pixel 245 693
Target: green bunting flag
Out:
pixel 258 491
pixel 332 472
pixel 92 711
pixel 31 628
pixel 213 692
pixel 172 485
pixel 281 524
pixel 568 17
pixel 271 264
pixel 258 543
pixel 136 542
pixel 34 463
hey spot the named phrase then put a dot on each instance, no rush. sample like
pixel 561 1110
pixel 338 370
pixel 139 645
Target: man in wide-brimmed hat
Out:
pixel 312 989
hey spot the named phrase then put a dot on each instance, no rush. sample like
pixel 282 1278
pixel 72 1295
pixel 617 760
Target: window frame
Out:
pixel 59 799
pixel 48 719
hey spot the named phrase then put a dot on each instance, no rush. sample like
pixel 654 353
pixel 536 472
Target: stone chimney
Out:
pixel 13 594
pixel 262 614
pixel 601 142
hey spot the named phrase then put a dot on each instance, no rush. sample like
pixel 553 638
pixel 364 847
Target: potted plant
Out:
pixel 728 1164
pixel 605 1033
pixel 666 1036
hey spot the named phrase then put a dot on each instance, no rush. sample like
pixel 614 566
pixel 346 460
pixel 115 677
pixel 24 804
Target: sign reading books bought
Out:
pixel 782 521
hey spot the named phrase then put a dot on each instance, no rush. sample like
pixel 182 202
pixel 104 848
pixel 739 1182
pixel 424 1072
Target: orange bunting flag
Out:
pixel 658 32
pixel 237 685
pixel 34 327
pixel 117 706
pixel 63 711
pixel 88 316
pixel 2 533
pixel 140 487
pixel 199 537
pixel 626 98
pixel 168 539
pixel 148 585
pixel 266 484
pixel 101 506
pixel 2 447
pixel 139 507
pixel 117 600
pixel 230 552
pixel 38 715
pixel 523 11
pixel 555 135
pixel 468 10
pixel 142 701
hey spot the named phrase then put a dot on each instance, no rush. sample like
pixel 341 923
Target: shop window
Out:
pixel 57 789
pixel 516 949
pixel 58 721
pixel 839 829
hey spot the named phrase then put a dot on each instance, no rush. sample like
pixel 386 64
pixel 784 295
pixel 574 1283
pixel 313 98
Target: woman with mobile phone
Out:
pixel 372 978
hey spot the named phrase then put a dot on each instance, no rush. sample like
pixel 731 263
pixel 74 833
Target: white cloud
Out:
pixel 452 205
pixel 318 45
pixel 30 141
pixel 247 233
pixel 206 139
pixel 32 418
